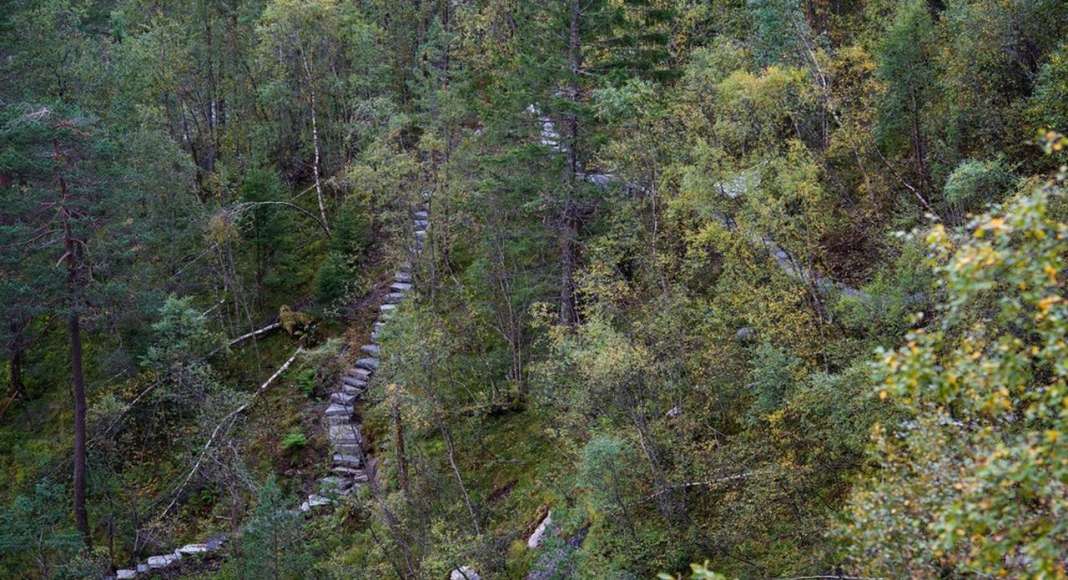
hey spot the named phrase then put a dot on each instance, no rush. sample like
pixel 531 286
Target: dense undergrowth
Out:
pixel 775 285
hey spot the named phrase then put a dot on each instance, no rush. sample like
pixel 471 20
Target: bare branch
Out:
pixel 223 427
pixel 246 336
pixel 242 207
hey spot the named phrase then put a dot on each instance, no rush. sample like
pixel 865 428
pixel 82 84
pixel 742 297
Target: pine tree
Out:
pixel 272 544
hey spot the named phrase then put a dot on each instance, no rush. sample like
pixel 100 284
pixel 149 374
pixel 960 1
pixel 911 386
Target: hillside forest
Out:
pixel 481 289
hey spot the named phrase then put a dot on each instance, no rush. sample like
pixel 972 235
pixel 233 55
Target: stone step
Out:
pixel 400 286
pixel 343 399
pixel 162 561
pixel 387 308
pixel 354 390
pixel 344 460
pixel 369 363
pixel 345 434
pixel 421 234
pixel 353 382
pixel 371 349
pixel 335 483
pixel 402 277
pixel 190 549
pixel 394 297
pixel 421 224
pixel 353 373
pixel 354 449
pixel 315 501
pixel 353 474
pixel 339 419
pixel 358 374
pixel 125 574
pixel 336 410
pixel 421 215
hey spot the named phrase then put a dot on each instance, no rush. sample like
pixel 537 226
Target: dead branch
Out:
pixel 708 483
pixel 223 427
pixel 241 207
pixel 246 336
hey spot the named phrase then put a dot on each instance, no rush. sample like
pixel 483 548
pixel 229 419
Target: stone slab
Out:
pixel 336 410
pixel 341 460
pixel 371 349
pixel 344 399
pixel 369 363
pixel 340 434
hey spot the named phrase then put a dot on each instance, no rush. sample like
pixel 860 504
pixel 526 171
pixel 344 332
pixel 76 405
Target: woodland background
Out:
pixel 784 292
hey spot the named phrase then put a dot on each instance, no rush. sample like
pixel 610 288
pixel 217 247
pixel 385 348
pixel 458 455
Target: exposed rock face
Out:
pixel 464 573
pixel 543 528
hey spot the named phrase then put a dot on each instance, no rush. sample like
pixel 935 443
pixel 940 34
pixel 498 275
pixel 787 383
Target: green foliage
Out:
pixel 268 228
pixel 777 29
pixel 974 184
pixel 352 232
pixel 294 440
pixel 721 199
pixel 907 67
pixel 35 531
pixel 973 481
pixel 773 378
pixel 181 335
pixel 273 539
pixel 334 279
pixel 606 470
pixel 698 572
pixel 1049 104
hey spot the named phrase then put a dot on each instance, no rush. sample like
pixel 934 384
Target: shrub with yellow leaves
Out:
pixel 975 481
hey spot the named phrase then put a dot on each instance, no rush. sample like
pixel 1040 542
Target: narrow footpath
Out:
pixel 351 465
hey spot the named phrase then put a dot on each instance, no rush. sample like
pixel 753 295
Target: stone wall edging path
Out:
pixel 348 457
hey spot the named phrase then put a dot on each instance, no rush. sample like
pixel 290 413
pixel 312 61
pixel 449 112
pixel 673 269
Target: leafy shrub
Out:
pixel 973 483
pixel 352 234
pixel 294 440
pixel 333 279
pixel 974 183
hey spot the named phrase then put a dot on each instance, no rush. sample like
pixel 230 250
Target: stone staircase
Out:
pixel 349 461
pixel 350 467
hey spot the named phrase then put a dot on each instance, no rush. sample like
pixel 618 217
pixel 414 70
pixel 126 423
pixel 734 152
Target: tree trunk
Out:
pixel 451 452
pixel 569 221
pixel 398 446
pixel 664 502
pixel 81 515
pixel 316 169
pixel 72 256
pixel 18 387
pixel 919 144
